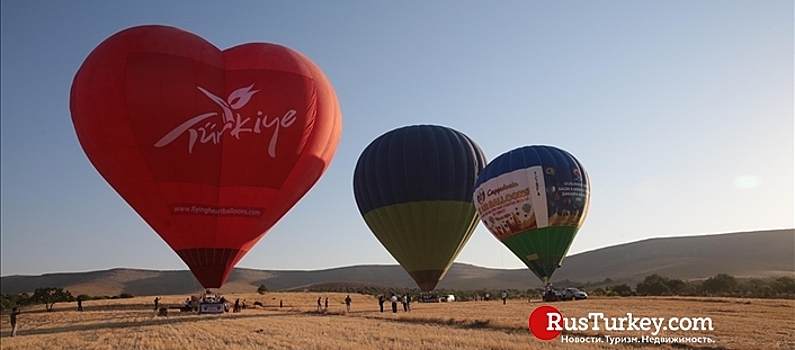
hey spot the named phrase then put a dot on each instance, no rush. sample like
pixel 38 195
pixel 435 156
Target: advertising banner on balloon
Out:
pixel 567 198
pixel 528 199
pixel 510 203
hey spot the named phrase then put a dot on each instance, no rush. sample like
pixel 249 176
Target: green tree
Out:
pixel 262 289
pixel 720 284
pixel 754 287
pixel 622 290
pixel 49 296
pixel 784 285
pixel 676 286
pixel 8 301
pixel 653 285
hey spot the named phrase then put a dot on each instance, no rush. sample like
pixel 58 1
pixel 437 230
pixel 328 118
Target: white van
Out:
pixel 446 298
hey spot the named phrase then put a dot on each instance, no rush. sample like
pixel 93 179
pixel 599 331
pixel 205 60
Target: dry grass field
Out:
pixel 133 324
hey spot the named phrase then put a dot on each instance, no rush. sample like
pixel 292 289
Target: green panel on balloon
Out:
pixel 424 237
pixel 542 250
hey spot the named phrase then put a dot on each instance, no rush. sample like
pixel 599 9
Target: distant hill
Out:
pixel 744 254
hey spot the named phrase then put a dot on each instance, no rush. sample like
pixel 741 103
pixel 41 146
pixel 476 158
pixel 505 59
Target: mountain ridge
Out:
pixel 741 254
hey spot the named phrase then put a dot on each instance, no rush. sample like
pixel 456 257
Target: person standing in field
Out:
pixel 381 300
pixel 157 303
pixel 319 307
pixel 394 300
pixel 79 304
pixel 326 303
pixel 348 303
pixel 504 297
pixel 405 301
pixel 14 313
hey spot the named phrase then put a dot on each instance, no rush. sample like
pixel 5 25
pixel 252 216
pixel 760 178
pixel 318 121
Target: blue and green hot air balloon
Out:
pixel 534 200
pixel 413 186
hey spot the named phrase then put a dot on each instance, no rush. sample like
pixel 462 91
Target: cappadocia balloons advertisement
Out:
pixel 534 200
pixel 397 175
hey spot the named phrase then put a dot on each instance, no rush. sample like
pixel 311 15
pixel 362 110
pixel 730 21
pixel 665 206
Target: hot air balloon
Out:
pixel 534 200
pixel 413 186
pixel 211 148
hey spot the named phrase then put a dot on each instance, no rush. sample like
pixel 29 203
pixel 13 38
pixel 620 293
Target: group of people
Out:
pixel 212 299
pixel 405 299
pixel 240 306
pixel 320 306
pixel 324 306
pixel 193 303
pixel 487 297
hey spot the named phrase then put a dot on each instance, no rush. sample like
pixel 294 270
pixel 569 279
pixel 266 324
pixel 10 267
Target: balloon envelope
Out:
pixel 534 200
pixel 413 186
pixel 210 147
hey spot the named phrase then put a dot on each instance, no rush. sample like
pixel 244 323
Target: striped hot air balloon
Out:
pixel 413 186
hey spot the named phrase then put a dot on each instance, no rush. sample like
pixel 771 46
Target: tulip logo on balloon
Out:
pixel 234 123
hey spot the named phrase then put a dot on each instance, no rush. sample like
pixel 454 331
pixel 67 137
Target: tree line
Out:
pixel 719 285
pixel 653 285
pixel 48 297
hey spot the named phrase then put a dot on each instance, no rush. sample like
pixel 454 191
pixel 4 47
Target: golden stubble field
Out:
pixel 133 324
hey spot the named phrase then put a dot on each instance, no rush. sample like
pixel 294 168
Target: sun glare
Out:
pixel 747 182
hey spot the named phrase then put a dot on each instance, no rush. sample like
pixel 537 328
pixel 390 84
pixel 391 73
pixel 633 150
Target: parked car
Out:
pixel 573 294
pixel 446 298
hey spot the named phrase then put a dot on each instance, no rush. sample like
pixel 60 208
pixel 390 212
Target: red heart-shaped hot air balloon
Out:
pixel 210 147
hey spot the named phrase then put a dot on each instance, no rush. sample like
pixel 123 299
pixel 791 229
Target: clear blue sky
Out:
pixel 681 111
